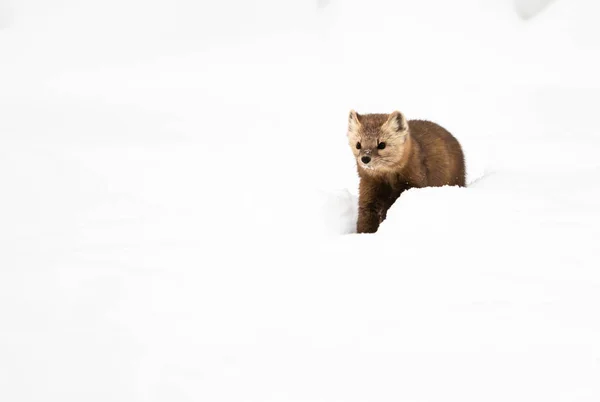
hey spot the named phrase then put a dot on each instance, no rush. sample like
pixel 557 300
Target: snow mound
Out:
pixel 530 8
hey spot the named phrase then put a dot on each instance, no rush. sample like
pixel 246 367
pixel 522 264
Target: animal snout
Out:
pixel 365 159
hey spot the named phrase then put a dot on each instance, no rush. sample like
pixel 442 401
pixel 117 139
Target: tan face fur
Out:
pixel 370 130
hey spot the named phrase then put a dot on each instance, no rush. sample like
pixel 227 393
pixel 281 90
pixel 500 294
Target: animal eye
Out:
pixel 358 145
pixel 381 145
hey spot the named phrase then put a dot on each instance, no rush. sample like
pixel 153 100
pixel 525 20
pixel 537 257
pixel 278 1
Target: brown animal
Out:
pixel 394 155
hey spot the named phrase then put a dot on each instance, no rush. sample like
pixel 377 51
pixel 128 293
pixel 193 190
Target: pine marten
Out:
pixel 394 155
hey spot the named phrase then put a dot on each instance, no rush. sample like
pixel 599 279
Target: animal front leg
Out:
pixel 382 215
pixel 391 199
pixel 368 219
pixel 372 205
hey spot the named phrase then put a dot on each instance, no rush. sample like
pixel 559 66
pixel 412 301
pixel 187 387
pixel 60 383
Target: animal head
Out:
pixel 378 141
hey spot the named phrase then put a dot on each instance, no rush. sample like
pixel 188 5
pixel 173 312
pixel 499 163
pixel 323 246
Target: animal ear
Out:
pixel 353 123
pixel 396 122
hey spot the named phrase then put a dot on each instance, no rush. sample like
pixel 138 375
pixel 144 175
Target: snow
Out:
pixel 178 201
pixel 530 8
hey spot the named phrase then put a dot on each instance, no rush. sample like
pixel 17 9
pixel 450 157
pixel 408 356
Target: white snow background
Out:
pixel 178 198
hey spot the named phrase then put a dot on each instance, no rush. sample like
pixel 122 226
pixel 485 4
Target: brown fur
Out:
pixel 417 154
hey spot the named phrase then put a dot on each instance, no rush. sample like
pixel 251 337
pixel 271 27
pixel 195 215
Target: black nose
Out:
pixel 365 159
